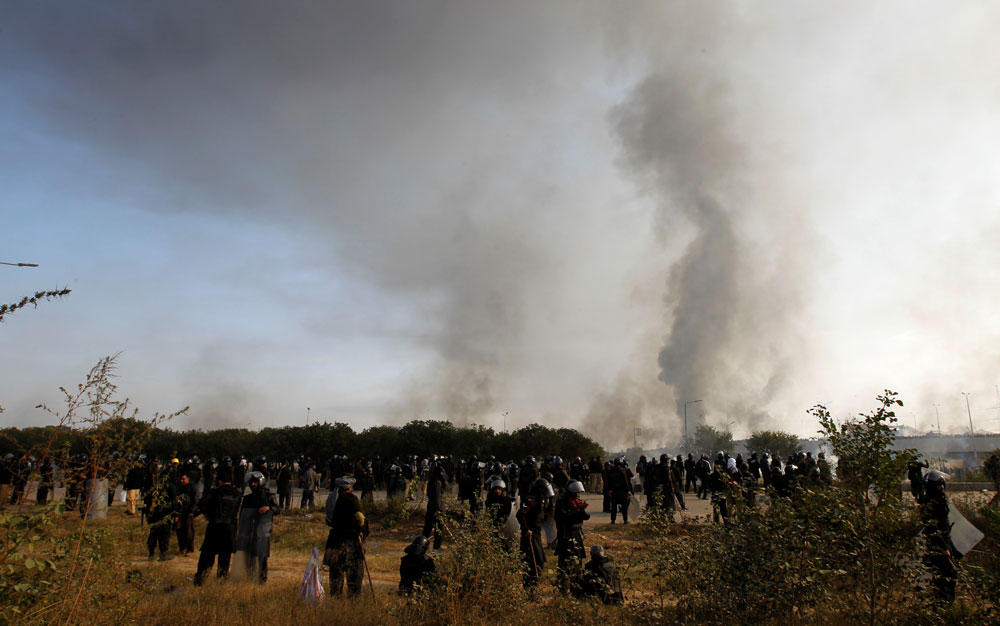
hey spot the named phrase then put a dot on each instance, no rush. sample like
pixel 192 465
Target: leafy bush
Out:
pixel 850 553
pixel 478 580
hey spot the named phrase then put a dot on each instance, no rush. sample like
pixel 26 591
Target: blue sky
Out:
pixel 386 212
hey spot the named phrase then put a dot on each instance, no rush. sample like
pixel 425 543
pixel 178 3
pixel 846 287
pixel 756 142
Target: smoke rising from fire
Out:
pixel 386 211
pixel 679 140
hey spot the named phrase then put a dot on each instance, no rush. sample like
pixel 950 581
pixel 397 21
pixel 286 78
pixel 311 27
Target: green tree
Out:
pixel 780 444
pixel 878 548
pixel 709 439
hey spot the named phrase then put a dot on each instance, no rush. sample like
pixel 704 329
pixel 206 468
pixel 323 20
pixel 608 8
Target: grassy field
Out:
pixel 114 583
pixel 162 592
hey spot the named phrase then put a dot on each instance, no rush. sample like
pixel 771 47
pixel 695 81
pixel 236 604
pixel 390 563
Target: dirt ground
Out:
pixel 295 534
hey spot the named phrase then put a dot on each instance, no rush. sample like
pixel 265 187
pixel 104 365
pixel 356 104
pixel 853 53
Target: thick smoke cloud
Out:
pixel 680 138
pixel 420 149
pixel 397 210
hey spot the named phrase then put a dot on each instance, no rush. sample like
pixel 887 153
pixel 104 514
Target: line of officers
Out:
pixel 236 504
pixel 551 512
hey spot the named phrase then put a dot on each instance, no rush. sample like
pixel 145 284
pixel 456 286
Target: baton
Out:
pixel 364 558
pixel 531 549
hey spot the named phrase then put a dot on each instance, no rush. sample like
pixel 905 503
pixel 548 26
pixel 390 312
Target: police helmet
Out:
pixel 418 546
pixel 542 489
pixel 497 483
pixel 574 486
pixel 255 476
pixel 934 478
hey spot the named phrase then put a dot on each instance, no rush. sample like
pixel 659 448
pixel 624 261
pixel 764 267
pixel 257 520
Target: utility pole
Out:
pixel 686 440
pixel 938 416
pixel 972 430
pixel 307 415
pixel 505 414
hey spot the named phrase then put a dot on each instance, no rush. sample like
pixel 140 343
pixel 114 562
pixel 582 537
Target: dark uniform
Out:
pixel 185 512
pixel 571 512
pixel 435 506
pixel 284 485
pixel 254 532
pixel 601 579
pixel 415 566
pixel 498 505
pixel 619 489
pixel 159 503
pixel 530 516
pixel 940 554
pixel 221 508
pixel 343 545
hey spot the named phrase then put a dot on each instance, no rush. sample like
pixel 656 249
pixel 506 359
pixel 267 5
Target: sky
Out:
pixel 581 214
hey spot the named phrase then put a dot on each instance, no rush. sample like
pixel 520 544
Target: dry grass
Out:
pixel 163 592
pixel 130 590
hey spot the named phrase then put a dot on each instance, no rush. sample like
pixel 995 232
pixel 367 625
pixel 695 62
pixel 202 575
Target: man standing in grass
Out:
pixel 344 552
pixel 309 481
pixel 939 557
pixel 256 521
pixel 221 508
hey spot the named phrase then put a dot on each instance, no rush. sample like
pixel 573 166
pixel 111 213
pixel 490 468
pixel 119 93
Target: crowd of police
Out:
pixel 535 503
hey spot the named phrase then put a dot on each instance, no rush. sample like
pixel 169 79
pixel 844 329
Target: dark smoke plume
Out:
pixel 681 143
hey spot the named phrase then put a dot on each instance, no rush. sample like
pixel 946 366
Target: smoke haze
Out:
pixel 578 213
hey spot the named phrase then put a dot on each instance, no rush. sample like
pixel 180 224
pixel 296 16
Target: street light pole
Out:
pixel 972 430
pixel 19 264
pixel 307 415
pixel 938 416
pixel 686 440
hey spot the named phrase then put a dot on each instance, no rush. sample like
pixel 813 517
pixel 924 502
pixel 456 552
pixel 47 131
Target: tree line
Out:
pixel 321 440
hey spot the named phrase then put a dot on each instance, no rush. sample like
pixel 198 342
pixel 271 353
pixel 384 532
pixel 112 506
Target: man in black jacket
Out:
pixel 221 508
pixel 570 514
pixel 526 477
pixel 344 549
pixel 940 557
pixel 531 516
pixel 184 510
pixel 619 488
pixel 435 505
pixel 690 474
pixel 284 485
pixel 133 485
pixel 159 506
